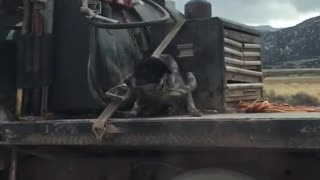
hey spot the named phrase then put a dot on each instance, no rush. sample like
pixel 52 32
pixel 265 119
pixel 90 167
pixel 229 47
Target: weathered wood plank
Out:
pixel 244 92
pixel 243 98
pixel 253 68
pixel 233 43
pixel 241 62
pixel 232 106
pixel 244 86
pixel 244 71
pixel 251 54
pixel 233 76
pixel 233 47
pixel 252 50
pixel 253 58
pixel 232 51
pixel 241 37
pixel 232 25
pixel 233 56
pixel 251 46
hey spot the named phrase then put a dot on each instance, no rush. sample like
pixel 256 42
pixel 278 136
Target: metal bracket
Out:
pixel 95 6
pixel 102 126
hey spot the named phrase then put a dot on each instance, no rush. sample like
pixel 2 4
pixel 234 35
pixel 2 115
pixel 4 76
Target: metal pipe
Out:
pixel 25 29
pixel 26 17
pixel 106 22
pixel 19 102
pixel 91 15
pixel 13 165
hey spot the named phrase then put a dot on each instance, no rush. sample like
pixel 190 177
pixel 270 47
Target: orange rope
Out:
pixel 264 106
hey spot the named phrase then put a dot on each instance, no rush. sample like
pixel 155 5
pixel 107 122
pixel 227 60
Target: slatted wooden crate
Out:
pixel 226 58
pixel 243 70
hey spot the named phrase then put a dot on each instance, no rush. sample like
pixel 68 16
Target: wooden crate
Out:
pixel 225 57
pixel 243 70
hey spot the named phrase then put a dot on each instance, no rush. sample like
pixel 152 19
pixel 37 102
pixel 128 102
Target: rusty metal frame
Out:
pixel 274 131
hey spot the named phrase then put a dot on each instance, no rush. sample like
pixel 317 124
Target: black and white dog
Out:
pixel 161 89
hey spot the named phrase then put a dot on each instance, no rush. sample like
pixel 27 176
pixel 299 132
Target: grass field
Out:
pixel 305 88
pixel 293 85
pixel 291 72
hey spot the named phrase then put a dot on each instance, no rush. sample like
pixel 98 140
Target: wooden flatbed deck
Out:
pixel 276 131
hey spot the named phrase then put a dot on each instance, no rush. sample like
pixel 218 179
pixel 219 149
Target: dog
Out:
pixel 160 89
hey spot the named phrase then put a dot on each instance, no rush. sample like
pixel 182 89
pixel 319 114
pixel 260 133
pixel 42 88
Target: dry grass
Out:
pixel 294 90
pixel 288 86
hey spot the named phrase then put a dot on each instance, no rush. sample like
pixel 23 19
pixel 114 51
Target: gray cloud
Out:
pixel 261 11
pixel 306 5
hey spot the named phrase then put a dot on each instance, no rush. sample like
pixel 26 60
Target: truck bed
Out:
pixel 276 131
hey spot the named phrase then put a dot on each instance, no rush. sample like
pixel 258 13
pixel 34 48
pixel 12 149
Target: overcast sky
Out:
pixel 277 13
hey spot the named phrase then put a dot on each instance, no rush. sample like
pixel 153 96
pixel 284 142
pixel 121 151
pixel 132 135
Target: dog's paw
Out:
pixel 210 112
pixel 196 113
pixel 191 81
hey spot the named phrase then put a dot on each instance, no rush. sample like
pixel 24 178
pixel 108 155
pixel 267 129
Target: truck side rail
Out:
pixel 276 131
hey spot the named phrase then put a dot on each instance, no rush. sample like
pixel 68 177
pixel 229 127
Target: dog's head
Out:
pixel 147 72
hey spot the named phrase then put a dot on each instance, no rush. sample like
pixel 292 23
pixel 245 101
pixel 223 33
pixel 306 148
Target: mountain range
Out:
pixel 266 28
pixel 293 47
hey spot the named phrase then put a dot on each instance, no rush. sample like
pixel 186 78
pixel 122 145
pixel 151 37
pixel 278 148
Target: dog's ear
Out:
pixel 158 65
pixel 130 81
pixel 150 70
